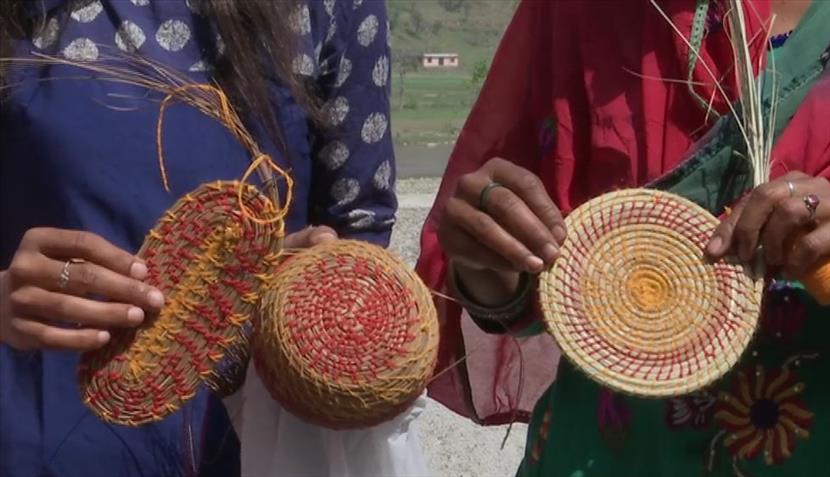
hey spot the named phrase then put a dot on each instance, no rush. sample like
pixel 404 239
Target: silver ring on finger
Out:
pixel 63 278
pixel 485 192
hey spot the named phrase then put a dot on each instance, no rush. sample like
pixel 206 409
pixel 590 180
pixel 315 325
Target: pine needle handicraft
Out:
pixel 210 254
pixel 758 129
pixel 348 335
pixel 634 303
pixel 756 114
pixel 210 262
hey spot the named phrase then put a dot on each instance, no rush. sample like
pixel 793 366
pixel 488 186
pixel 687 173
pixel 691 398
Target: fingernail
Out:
pixel 715 246
pixel 534 263
pixel 155 298
pixel 103 336
pixel 138 271
pixel 135 315
pixel 550 252
pixel 560 233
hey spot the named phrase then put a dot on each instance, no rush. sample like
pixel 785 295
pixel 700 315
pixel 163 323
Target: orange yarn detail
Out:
pixel 281 212
pixel 649 289
pixel 212 101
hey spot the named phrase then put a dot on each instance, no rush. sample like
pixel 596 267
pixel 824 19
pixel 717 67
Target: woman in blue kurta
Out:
pixel 79 154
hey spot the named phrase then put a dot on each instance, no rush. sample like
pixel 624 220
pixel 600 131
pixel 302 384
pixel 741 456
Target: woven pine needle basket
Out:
pixel 348 335
pixel 634 304
pixel 210 262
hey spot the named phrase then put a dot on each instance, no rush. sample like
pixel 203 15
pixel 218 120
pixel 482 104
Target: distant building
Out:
pixel 440 60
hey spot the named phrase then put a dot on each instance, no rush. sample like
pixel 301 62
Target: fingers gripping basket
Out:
pixel 348 336
pixel 633 303
pixel 210 262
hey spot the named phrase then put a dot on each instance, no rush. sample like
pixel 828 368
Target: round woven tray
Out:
pixel 634 303
pixel 348 335
pixel 210 263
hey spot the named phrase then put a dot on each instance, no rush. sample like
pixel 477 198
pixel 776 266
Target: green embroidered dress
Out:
pixel 771 415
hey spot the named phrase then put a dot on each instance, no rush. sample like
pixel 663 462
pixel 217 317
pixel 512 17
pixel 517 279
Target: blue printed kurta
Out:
pixel 80 154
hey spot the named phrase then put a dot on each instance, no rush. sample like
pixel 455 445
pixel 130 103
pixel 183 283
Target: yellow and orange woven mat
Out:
pixel 634 303
pixel 211 261
pixel 348 335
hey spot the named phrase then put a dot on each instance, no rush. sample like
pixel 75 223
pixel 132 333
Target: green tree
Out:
pixel 479 73
pixel 394 18
pixel 405 64
pixel 436 28
pixel 416 19
pixel 452 5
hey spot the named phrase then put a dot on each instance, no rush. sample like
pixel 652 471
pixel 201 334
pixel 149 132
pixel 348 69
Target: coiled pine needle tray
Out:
pixel 348 335
pixel 634 304
pixel 210 261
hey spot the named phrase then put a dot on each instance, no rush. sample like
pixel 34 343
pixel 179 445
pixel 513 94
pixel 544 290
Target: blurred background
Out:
pixel 441 54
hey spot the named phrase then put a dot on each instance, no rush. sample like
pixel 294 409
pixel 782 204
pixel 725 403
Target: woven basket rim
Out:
pixel 600 372
pixel 103 394
pixel 343 403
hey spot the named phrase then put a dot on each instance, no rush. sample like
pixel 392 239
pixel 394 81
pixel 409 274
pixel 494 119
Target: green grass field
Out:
pixel 430 106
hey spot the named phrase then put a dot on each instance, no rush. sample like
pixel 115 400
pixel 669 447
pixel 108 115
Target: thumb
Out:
pixel 721 241
pixel 309 237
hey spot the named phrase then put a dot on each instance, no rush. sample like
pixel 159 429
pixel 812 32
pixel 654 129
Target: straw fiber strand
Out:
pixel 348 335
pixel 210 261
pixel 634 303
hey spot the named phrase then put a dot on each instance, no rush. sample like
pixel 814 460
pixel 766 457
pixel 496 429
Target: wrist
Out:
pixel 489 288
pixel 501 314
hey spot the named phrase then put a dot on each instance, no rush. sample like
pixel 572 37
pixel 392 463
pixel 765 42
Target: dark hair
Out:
pixel 259 49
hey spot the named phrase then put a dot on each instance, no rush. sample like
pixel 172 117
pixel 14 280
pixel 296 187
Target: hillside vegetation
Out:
pixel 429 106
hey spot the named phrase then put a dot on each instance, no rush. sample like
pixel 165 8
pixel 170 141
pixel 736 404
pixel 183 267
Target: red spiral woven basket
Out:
pixel 210 262
pixel 633 302
pixel 348 337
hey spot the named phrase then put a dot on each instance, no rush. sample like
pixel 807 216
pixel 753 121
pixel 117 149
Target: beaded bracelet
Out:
pixel 496 320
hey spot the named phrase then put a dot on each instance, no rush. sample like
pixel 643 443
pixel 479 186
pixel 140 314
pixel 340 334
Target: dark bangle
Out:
pixel 497 319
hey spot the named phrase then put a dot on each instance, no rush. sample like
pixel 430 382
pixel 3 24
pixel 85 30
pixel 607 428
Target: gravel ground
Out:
pixel 455 447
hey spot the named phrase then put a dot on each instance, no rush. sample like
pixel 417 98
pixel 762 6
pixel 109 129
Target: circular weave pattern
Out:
pixel 634 303
pixel 348 335
pixel 210 261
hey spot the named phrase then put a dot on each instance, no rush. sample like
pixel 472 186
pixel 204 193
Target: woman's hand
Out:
pixel 44 295
pixel 500 222
pixel 309 237
pixel 788 217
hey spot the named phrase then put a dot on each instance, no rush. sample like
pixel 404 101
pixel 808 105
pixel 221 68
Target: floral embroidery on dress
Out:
pixel 613 418
pixel 547 136
pixel 784 311
pixel 763 415
pixel 694 410
pixel 542 437
pixel 714 18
